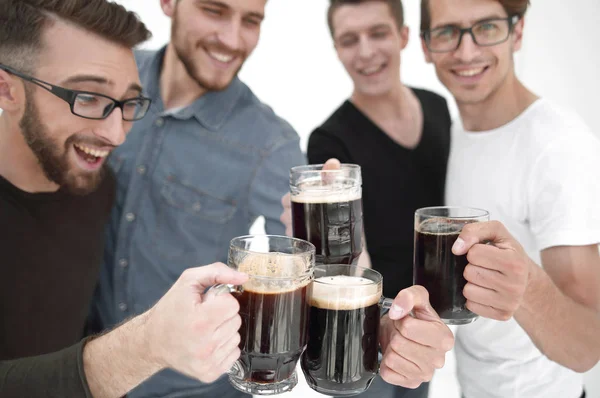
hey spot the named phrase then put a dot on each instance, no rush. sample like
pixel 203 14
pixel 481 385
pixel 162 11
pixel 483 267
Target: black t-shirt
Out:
pixel 52 246
pixel 396 180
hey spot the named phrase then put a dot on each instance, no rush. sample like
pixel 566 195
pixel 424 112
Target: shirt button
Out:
pixel 196 206
pixel 141 169
pixel 123 263
pixel 123 307
pixel 130 217
pixel 160 122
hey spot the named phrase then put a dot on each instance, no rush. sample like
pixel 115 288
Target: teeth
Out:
pixel 90 151
pixel 470 72
pixel 371 70
pixel 221 57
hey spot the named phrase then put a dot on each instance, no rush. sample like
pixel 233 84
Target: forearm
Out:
pixel 561 328
pixel 120 360
pixel 58 374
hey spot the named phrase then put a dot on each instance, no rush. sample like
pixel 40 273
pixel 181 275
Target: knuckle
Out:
pixel 439 361
pixel 421 291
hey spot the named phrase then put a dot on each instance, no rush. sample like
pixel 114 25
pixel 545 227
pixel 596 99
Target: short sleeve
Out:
pixel 564 194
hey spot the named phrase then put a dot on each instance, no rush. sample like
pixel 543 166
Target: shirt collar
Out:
pixel 211 110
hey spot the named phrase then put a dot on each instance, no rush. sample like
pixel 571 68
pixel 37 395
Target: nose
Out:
pixel 114 128
pixel 365 48
pixel 468 50
pixel 230 35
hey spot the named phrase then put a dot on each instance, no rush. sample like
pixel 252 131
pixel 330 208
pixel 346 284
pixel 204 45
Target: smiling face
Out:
pixel 473 73
pixel 213 39
pixel 72 150
pixel 368 43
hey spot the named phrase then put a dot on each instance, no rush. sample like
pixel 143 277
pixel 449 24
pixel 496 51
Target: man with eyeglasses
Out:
pixel 206 162
pixel 69 92
pixel 535 166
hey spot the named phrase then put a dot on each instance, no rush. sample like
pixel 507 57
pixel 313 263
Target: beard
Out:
pixel 53 159
pixel 186 56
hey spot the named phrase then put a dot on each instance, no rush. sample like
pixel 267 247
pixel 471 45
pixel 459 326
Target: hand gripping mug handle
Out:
pixel 214 291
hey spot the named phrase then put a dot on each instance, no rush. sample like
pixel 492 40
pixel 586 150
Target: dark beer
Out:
pixel 332 223
pixel 273 332
pixel 341 357
pixel 440 271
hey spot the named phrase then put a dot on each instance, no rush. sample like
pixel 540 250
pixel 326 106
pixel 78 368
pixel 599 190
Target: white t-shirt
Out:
pixel 540 176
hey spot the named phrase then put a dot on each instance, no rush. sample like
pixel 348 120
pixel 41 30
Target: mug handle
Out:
pixel 213 292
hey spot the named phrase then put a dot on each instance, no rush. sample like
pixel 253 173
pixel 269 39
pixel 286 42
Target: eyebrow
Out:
pixel 100 80
pixel 487 18
pixel 252 14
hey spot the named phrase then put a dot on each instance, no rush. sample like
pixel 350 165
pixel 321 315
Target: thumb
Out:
pixel 332 164
pixel 493 232
pixel 414 299
pixel 217 273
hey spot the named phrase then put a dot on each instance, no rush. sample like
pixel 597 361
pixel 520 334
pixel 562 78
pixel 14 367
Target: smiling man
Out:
pixel 208 159
pixel 535 167
pixel 400 137
pixel 69 93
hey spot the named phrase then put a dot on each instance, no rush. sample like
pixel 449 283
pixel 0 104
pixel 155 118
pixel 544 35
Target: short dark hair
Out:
pixel 395 8
pixel 22 23
pixel 512 8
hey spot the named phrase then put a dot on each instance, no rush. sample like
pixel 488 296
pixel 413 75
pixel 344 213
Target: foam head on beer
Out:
pixel 342 292
pixel 275 272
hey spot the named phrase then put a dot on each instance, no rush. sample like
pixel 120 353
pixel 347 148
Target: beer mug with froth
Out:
pixel 273 308
pixel 341 358
pixel 327 211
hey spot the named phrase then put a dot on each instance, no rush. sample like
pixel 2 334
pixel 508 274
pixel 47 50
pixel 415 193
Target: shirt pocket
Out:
pixel 190 222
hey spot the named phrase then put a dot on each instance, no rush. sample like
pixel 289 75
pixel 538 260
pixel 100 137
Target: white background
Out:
pixel 295 71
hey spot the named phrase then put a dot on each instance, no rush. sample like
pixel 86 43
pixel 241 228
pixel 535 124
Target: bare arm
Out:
pixel 561 306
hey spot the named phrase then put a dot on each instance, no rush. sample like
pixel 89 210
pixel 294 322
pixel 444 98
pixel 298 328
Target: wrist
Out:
pixel 147 348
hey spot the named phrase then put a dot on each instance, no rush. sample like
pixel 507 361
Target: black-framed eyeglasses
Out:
pixel 91 105
pixel 485 33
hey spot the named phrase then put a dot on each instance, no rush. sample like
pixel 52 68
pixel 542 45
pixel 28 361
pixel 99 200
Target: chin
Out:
pixel 82 185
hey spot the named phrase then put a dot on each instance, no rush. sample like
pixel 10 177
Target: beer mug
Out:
pixel 435 266
pixel 273 308
pixel 327 211
pixel 342 355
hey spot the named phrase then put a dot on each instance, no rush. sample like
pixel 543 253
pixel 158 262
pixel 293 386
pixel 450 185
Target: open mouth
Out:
pixel 221 57
pixel 471 73
pixel 372 70
pixel 91 156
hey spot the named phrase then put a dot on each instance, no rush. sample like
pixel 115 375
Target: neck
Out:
pixel 177 87
pixel 18 164
pixel 382 107
pixel 501 107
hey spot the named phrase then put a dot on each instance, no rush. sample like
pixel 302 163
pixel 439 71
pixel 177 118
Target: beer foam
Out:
pixel 440 226
pixel 343 292
pixel 272 273
pixel 324 196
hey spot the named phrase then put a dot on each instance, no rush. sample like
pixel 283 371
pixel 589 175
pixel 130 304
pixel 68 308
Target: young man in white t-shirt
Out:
pixel 536 168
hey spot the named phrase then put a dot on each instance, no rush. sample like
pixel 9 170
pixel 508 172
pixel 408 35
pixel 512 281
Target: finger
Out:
pixel 490 257
pixel 488 312
pixel 482 232
pixel 397 379
pixel 219 310
pixel 431 334
pixel 424 357
pixel 217 273
pixel 484 277
pixel 229 360
pixel 225 348
pixel 399 371
pixel 286 201
pixel 332 164
pixel 484 296
pixel 415 299
pixel 228 328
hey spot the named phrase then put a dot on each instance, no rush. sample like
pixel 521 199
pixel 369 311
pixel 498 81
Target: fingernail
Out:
pixel 459 246
pixel 396 312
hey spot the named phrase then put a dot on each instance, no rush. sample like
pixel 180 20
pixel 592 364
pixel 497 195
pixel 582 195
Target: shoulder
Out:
pixel 275 130
pixel 552 127
pixel 431 100
pixel 143 58
pixel 340 122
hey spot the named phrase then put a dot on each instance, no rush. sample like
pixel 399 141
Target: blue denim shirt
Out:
pixel 188 181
